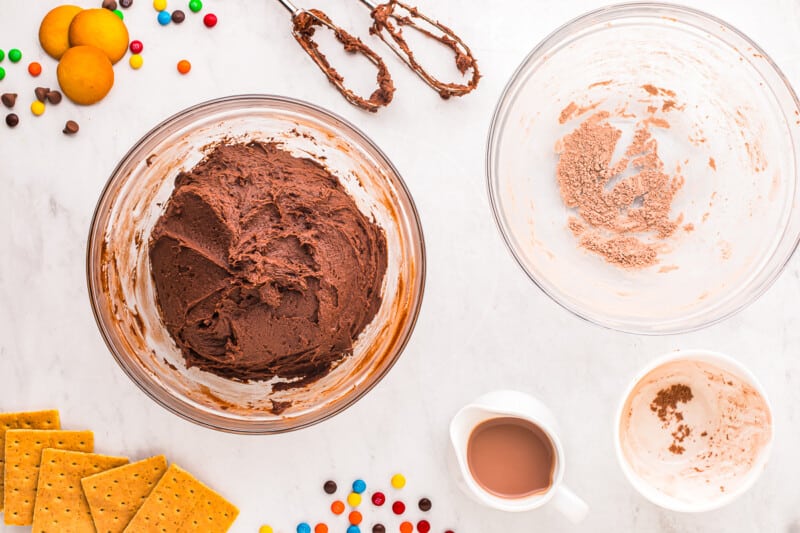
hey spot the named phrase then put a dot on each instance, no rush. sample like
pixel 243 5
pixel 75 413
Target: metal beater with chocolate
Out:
pixel 389 19
pixel 304 25
pixel 388 22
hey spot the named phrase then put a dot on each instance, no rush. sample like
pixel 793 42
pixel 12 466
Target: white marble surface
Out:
pixel 483 324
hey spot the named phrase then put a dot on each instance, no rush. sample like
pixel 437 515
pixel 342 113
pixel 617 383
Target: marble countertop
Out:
pixel 483 325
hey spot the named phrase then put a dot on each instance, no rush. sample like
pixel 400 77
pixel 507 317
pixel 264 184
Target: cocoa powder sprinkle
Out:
pixel 665 406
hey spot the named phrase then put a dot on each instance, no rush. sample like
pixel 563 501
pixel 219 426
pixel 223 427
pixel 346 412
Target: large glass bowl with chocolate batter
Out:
pixel 127 242
pixel 727 128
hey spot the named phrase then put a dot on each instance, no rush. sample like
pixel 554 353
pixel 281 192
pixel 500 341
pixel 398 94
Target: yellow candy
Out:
pixel 398 481
pixel 136 61
pixel 354 499
pixel 265 529
pixel 159 5
pixel 37 108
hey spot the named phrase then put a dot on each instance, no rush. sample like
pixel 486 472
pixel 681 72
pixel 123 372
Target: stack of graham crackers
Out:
pixel 50 479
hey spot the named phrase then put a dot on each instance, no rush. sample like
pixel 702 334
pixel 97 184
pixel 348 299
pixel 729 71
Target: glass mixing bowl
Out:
pixel 121 287
pixel 733 133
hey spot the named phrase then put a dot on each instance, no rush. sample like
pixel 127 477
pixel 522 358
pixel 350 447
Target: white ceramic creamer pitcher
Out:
pixel 506 403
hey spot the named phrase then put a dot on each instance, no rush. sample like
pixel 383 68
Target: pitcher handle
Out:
pixel 570 505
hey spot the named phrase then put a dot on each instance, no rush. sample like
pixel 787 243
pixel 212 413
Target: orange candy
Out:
pixel 34 69
pixel 337 507
pixel 355 518
pixel 320 528
pixel 184 66
pixel 406 527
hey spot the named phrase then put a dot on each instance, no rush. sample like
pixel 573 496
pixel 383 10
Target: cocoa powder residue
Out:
pixel 665 406
pixel 624 219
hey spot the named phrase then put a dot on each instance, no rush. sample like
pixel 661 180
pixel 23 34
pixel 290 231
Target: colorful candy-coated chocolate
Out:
pixel 398 508
pixel 14 55
pixel 118 13
pixel 2 54
pixel 184 66
pixel 354 499
pixel 320 528
pixel 159 5
pixel 265 529
pixel 136 61
pixel 398 481
pixel 2 73
pixel 164 17
pixel 302 527
pixel 37 108
pixel 359 486
pixel 378 499
pixel 355 518
pixel 136 47
pixel 195 6
pixel 353 529
pixel 423 526
pixel 34 69
pixel 210 20
pixel 337 507
pixel 406 527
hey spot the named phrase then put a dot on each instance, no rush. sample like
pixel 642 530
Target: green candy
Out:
pixel 195 6
pixel 14 55
pixel 2 54
pixel 2 73
pixel 118 13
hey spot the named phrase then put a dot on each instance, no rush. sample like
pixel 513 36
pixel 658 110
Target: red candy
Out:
pixel 398 507
pixel 136 47
pixel 210 20
pixel 378 499
pixel 423 526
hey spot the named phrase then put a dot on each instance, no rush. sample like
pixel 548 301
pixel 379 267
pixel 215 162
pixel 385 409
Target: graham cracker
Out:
pixel 23 458
pixel 29 420
pixel 115 495
pixel 60 503
pixel 179 504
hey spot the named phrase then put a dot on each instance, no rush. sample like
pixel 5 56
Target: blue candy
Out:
pixel 359 486
pixel 353 529
pixel 164 17
pixel 302 527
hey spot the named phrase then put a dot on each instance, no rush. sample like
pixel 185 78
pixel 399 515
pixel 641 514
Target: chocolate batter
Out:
pixel 264 266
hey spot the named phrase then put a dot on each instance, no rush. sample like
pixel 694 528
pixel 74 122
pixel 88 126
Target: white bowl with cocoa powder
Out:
pixel 694 431
pixel 642 168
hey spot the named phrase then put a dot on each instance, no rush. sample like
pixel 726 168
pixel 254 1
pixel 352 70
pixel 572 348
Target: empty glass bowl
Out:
pixel 733 134
pixel 121 286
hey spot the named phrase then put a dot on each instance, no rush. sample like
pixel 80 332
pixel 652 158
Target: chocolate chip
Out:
pixel 378 528
pixel 329 487
pixel 178 16
pixel 9 99
pixel 126 3
pixel 41 93
pixel 54 97
pixel 71 128
pixel 425 505
pixel 110 4
pixel 12 120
